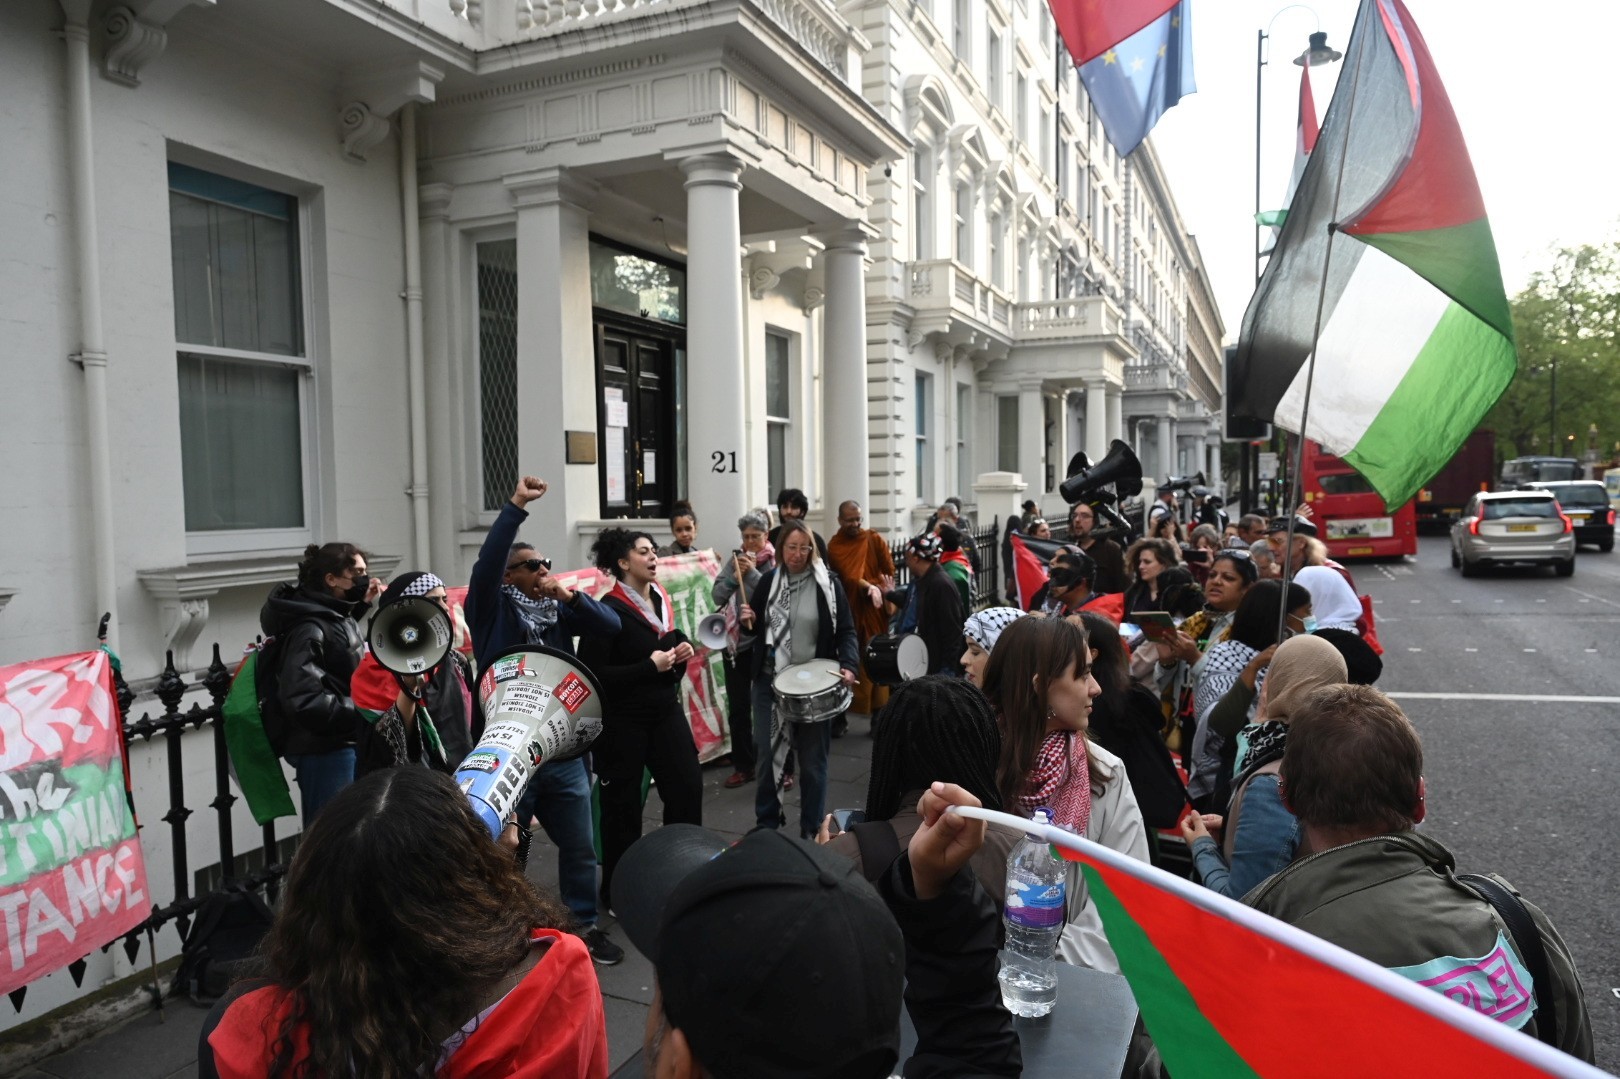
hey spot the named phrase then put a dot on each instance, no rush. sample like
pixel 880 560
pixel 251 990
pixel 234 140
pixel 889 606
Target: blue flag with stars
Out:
pixel 1135 82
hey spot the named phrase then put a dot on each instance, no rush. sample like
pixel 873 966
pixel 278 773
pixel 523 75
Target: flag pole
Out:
pixel 1292 502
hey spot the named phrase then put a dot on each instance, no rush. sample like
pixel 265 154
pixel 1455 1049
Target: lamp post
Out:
pixel 1317 54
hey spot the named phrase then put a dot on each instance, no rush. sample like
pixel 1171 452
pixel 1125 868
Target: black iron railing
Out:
pixel 987 577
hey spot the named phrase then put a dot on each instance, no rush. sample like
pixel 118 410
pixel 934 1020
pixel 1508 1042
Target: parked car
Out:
pixel 1586 503
pixel 1526 525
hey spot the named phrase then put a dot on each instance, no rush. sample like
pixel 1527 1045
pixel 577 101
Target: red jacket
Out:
pixel 551 1026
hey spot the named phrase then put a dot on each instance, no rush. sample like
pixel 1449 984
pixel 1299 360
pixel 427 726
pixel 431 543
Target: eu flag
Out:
pixel 1132 84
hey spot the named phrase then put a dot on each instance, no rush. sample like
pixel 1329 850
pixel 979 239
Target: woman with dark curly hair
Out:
pixel 408 944
pixel 1160 581
pixel 640 669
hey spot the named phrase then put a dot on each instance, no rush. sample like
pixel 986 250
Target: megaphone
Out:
pixel 542 705
pixel 1197 479
pixel 712 631
pixel 410 635
pixel 1120 467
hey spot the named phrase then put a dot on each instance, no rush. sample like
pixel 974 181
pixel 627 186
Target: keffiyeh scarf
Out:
pixel 661 620
pixel 1060 782
pixel 764 561
pixel 984 627
pixel 537 615
pixel 779 608
pixel 1266 742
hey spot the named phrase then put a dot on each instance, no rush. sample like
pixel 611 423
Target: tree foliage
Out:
pixel 1567 321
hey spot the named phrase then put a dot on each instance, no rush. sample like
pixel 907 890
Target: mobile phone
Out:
pixel 844 818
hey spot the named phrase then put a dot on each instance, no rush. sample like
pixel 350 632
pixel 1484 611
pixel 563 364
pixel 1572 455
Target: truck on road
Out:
pixel 1470 470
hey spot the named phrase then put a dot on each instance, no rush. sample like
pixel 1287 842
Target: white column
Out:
pixel 1212 467
pixel 1032 438
pixel 433 202
pixel 1167 447
pixel 1097 426
pixel 715 405
pixel 845 437
pixel 1116 420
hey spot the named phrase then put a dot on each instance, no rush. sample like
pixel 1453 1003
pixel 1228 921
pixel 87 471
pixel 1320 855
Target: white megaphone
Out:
pixel 712 631
pixel 540 705
pixel 410 635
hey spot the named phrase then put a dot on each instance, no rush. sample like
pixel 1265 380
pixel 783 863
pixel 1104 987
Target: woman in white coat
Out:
pixel 1039 681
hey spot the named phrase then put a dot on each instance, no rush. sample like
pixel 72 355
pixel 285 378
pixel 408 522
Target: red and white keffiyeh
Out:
pixel 665 606
pixel 1060 782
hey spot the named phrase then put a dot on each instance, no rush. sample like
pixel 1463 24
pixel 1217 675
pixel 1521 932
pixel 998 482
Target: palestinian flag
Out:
pixel 254 763
pixel 1226 991
pixel 1030 560
pixel 1416 338
pixel 1304 143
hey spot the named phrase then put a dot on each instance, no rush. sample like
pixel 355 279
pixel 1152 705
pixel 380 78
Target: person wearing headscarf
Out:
pixel 1259 836
pixel 980 632
pixel 1333 603
pixel 395 733
pixel 930 605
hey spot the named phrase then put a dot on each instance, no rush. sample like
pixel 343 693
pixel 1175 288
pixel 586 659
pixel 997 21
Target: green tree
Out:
pixel 1567 321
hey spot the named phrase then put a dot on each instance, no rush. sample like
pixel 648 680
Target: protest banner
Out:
pixel 73 877
pixel 689 580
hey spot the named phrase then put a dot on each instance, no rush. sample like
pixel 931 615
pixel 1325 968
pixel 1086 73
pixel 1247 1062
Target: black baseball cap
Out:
pixel 774 957
pixel 1302 527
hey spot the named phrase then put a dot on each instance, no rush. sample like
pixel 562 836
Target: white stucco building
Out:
pixel 280 273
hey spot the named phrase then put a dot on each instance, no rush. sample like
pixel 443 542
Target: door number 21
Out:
pixel 723 462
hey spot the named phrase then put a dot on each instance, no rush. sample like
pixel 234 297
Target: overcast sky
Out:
pixel 1531 84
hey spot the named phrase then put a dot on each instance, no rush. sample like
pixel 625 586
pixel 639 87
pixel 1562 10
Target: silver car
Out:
pixel 1513 526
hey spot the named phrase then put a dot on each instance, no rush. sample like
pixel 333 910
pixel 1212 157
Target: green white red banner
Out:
pixel 73 877
pixel 689 580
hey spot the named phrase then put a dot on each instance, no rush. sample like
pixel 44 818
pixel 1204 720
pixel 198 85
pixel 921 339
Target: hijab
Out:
pixel 1333 603
pixel 1300 666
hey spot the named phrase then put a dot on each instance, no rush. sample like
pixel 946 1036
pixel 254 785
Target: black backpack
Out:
pixel 227 932
pixel 1131 733
pixel 267 680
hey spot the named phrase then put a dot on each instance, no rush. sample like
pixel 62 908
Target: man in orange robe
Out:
pixel 863 562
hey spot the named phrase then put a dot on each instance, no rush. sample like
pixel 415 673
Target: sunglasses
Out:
pixel 531 564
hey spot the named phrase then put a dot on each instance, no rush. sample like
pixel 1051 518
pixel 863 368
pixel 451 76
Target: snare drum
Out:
pixel 811 692
pixel 893 658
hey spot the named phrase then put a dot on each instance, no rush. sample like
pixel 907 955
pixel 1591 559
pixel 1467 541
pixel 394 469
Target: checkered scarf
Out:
pixel 1060 782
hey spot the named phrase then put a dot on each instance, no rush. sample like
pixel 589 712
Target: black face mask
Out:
pixel 357 591
pixel 1064 578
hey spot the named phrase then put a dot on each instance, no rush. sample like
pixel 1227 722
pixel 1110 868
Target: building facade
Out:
pixel 344 269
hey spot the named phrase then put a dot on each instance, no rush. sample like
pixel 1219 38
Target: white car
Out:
pixel 1498 527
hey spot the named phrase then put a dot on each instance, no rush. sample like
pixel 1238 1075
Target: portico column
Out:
pixel 1032 438
pixel 1212 467
pixel 715 406
pixel 1097 420
pixel 1116 421
pixel 1167 447
pixel 845 436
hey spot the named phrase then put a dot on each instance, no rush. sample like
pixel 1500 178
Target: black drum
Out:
pixel 893 658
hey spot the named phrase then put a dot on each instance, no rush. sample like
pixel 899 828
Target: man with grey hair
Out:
pixel 746 564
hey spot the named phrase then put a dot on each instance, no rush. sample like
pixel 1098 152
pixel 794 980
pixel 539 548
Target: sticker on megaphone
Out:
pixel 542 705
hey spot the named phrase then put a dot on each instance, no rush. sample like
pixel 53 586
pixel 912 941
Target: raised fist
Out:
pixel 528 489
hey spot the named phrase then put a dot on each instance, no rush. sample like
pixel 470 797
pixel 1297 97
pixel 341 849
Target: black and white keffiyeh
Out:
pixel 537 615
pixel 779 608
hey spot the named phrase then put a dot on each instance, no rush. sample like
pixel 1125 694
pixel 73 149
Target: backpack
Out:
pixel 225 937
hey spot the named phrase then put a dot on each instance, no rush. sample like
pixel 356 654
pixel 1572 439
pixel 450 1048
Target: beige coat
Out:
pixel 1116 823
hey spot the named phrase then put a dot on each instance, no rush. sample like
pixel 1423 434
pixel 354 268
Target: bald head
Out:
pixel 849 519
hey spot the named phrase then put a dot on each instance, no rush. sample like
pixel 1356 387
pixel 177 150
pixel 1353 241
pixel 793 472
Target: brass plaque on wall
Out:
pixel 581 447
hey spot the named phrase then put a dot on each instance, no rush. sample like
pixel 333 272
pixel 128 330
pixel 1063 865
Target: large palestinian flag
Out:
pixel 1227 992
pixel 1416 339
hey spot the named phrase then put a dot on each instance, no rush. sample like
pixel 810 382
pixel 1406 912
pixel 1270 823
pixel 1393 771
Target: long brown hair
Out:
pixel 788 528
pixel 400 913
pixel 1028 656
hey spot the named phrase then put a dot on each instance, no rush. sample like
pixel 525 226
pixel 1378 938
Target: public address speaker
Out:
pixel 540 705
pixel 712 631
pixel 410 635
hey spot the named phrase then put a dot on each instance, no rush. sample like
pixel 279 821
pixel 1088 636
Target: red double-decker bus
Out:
pixel 1350 515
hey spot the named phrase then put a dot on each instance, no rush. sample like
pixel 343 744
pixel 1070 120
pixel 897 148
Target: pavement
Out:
pixel 1513 680
pixel 154 1046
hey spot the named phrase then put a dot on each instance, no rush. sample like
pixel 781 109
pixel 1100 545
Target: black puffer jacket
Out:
pixel 319 644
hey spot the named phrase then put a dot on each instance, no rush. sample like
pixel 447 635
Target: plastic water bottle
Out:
pixel 1036 889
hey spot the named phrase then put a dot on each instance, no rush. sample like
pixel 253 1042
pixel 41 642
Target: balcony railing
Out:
pixel 1155 375
pixel 486 24
pixel 944 284
pixel 1078 316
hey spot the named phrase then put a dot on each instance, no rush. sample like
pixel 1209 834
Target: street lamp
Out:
pixel 1317 54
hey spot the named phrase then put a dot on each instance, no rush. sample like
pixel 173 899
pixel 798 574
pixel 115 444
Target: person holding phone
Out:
pixel 643 728
pixel 732 586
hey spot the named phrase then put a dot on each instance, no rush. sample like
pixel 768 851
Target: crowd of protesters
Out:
pixel 1172 690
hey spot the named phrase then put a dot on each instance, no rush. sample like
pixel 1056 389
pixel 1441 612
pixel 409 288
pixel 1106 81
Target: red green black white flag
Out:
pixel 1416 339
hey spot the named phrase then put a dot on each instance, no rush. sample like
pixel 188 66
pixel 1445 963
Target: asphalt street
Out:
pixel 1513 680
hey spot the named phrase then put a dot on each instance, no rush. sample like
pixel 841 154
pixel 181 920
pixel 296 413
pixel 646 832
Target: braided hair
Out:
pixel 934 728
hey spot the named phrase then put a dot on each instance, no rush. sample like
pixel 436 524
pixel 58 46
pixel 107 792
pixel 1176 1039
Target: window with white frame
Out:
pixel 1046 139
pixel 778 407
pixel 964 423
pixel 241 358
pixel 497 369
pixel 962 31
pixel 922 208
pixel 998 247
pixel 1045 18
pixel 925 463
pixel 992 68
pixel 1007 433
pixel 964 222
pixel 1021 107
pixel 1026 285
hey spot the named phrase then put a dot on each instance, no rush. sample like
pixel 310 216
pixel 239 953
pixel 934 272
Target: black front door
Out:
pixel 637 397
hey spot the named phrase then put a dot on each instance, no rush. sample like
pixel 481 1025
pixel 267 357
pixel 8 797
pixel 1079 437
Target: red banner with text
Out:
pixel 73 877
